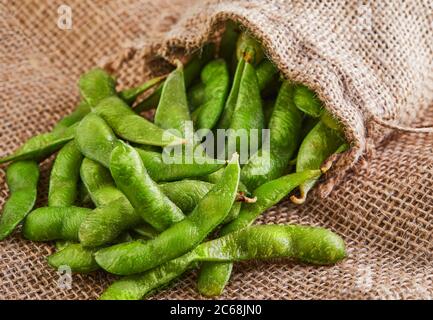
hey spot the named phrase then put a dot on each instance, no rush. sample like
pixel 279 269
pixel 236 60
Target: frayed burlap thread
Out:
pixel 364 59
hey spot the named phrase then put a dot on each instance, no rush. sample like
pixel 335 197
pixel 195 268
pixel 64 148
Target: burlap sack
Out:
pixel 369 62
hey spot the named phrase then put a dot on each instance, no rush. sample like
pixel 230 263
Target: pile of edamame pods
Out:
pixel 115 204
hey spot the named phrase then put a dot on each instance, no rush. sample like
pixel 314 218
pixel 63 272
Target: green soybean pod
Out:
pixel 63 186
pixel 186 194
pixel 285 128
pixel 173 111
pixel 230 105
pixel 216 79
pixel 146 197
pixel 307 101
pixel 320 143
pixel 305 244
pixel 108 222
pixel 22 179
pixel 181 237
pixel 266 72
pixel 132 127
pixel 96 85
pixel 248 113
pixel 76 116
pixel 214 276
pixel 95 139
pixel 54 223
pixel 78 258
pixel 191 72
pixel 113 215
pixel 176 168
pixel 41 146
pixel 131 94
pixel 249 49
pixel 196 96
pixel 99 183
pixel 268 108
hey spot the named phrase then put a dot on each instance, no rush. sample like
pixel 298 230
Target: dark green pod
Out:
pixel 63 186
pixel 138 256
pixel 54 223
pixel 96 85
pixel 22 179
pixel 132 127
pixel 42 146
pixel 305 244
pixel 146 197
pixel 216 79
pixel 95 139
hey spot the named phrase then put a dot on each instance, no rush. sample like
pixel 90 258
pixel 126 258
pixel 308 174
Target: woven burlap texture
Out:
pixel 383 210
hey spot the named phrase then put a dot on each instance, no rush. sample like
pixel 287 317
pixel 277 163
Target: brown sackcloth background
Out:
pixel 368 62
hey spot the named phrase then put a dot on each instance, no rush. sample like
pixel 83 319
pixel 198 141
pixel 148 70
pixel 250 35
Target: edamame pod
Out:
pixel 248 112
pixel 307 101
pixel 249 49
pixel 138 256
pixel 75 256
pixel 132 127
pixel 267 195
pixel 22 179
pixel 130 95
pixel 177 168
pixel 79 113
pixel 63 186
pixel 108 222
pixel 191 72
pixel 95 139
pixel 173 111
pixel 285 127
pixel 99 183
pixel 216 79
pixel 146 197
pixel 113 215
pixel 266 72
pixel 96 85
pixel 320 143
pixel 195 96
pixel 186 194
pixel 54 223
pixel 42 146
pixel 305 244
pixel 230 105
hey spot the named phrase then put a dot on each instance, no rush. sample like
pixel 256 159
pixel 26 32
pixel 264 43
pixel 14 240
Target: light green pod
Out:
pixel 191 73
pixel 319 144
pixel 305 244
pixel 22 179
pixel 173 111
pixel 96 85
pixel 181 237
pixel 307 101
pixel 95 139
pixel 75 256
pixel 285 127
pixel 54 223
pixel 214 276
pixel 131 94
pixel 176 168
pixel 75 116
pixel 146 197
pixel 186 194
pixel 132 127
pixel 63 186
pixel 266 72
pixel 42 146
pixel 216 80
